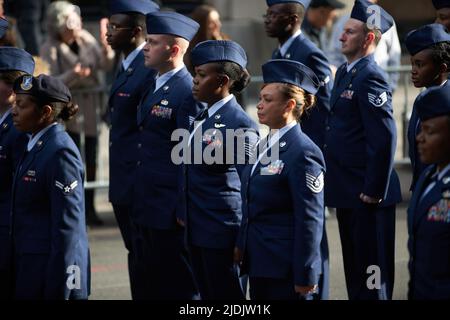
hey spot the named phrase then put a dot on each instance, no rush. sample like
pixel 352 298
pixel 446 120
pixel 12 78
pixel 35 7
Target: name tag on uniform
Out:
pixel 440 212
pixel 161 112
pixel 123 94
pixel 274 168
pixel 347 94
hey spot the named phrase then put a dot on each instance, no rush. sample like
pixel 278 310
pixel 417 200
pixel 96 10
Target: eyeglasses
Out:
pixel 115 27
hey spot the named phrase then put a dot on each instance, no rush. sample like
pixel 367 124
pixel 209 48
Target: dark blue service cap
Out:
pixel 378 18
pixel 304 3
pixel 44 88
pixel 15 59
pixel 139 6
pixel 3 26
pixel 218 50
pixel 292 72
pixel 433 102
pixel 439 4
pixel 167 22
pixel 426 36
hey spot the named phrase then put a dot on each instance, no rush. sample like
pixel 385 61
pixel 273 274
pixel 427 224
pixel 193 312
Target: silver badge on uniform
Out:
pixel 218 125
pixel 315 184
pixel 282 144
pixel 27 83
pixel 165 88
pixel 164 102
pixel 217 116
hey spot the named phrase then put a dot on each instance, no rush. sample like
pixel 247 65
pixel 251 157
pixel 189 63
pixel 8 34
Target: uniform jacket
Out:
pixel 212 191
pixel 126 92
pixel 12 144
pixel 305 51
pixel 156 189
pixel 283 213
pixel 429 239
pixel 49 229
pixel 360 139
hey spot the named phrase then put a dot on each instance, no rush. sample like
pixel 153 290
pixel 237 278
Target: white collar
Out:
pixel 5 115
pixel 284 48
pixel 219 104
pixel 274 137
pixel 130 58
pixel 163 78
pixel 351 65
pixel 37 136
pixel 443 172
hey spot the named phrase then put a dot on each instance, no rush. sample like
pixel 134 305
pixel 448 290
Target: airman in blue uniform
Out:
pixel 219 146
pixel 282 21
pixel 165 107
pixel 429 47
pixel 51 254
pixel 126 33
pixel 429 209
pixel 359 153
pixel 279 243
pixel 14 63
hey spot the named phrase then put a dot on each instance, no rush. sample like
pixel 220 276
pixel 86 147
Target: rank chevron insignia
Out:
pixel 377 101
pixel 66 188
pixel 315 184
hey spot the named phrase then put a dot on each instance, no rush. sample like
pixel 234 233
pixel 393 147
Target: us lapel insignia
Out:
pixel 164 102
pixel 446 180
pixel 5 125
pixel 354 71
pixel 39 143
pixel 288 56
pixel 282 144
pixel 217 116
pixel 165 88
pixel 130 70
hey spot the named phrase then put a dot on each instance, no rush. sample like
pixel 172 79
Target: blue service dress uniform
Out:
pixel 126 93
pixel 413 130
pixel 212 198
pixel 51 253
pixel 313 122
pixel 12 144
pixel 429 236
pixel 283 219
pixel 359 150
pixel 305 51
pixel 157 186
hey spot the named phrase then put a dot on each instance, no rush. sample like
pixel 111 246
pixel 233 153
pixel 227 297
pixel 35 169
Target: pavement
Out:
pixel 109 265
